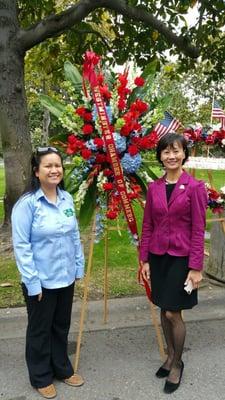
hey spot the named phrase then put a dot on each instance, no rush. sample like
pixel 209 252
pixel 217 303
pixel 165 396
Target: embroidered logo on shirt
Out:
pixel 69 212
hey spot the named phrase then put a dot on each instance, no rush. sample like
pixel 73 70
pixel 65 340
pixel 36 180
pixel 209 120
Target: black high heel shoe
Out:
pixel 162 372
pixel 170 387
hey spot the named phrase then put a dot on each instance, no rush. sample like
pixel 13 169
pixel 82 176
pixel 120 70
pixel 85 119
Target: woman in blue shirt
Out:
pixel 49 257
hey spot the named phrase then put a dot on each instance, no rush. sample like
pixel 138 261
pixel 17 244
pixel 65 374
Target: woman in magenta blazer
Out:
pixel 172 248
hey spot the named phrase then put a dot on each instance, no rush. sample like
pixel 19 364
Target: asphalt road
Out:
pixel 118 360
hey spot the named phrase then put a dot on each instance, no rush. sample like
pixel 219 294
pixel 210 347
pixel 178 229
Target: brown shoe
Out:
pixel 48 392
pixel 74 380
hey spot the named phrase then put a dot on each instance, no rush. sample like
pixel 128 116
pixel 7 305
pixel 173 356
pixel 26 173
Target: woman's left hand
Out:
pixel 195 277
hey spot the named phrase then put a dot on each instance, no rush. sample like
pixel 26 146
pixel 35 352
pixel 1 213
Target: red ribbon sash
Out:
pixel 115 161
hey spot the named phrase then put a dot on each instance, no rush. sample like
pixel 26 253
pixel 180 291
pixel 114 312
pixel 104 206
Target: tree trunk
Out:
pixel 45 128
pixel 216 264
pixel 16 143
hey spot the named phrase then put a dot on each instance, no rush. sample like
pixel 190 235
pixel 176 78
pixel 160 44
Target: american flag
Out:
pixel 168 124
pixel 218 113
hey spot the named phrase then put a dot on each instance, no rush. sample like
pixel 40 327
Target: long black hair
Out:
pixel 34 183
pixel 168 140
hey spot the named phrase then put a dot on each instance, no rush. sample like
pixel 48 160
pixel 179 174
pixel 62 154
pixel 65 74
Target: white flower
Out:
pixel 79 197
pixel 101 180
pixel 222 189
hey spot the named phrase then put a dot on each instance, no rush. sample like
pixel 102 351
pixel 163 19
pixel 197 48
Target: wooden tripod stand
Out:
pixel 105 316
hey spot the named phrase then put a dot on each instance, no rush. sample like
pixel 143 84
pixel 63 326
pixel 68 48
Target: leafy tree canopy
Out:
pixel 133 29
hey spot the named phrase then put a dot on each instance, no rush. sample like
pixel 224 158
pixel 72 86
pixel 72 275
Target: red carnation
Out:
pixel 100 78
pixel 111 214
pixel 149 141
pixel 107 186
pixel 210 139
pixel 100 158
pixel 69 151
pixel 121 104
pixel 80 111
pixel 98 142
pixel 71 139
pixel 87 129
pixel 132 150
pixel 139 106
pixel 87 116
pixel 74 145
pixel 107 172
pixel 86 154
pixel 105 92
pixel 139 81
pixel 213 194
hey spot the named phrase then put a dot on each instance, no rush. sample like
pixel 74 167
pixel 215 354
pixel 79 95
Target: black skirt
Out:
pixel 168 274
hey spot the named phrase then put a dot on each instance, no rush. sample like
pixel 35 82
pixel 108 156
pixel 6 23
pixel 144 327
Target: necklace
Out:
pixel 170 182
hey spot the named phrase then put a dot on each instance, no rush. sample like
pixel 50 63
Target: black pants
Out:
pixel 47 335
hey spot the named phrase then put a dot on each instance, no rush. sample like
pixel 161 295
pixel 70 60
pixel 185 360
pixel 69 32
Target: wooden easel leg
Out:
pixel 158 332
pixel 106 278
pixel 85 295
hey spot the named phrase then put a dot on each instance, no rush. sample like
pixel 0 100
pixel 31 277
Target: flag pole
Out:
pixel 213 98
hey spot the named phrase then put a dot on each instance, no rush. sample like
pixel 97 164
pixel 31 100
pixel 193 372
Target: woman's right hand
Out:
pixel 39 296
pixel 145 271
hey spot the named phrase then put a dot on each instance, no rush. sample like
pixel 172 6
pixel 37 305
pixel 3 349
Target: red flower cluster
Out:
pixel 74 145
pixel 216 201
pixel 123 91
pixel 202 135
pixel 89 143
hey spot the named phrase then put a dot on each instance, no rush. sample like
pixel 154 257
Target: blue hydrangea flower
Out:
pixel 108 111
pixel 120 142
pixel 90 145
pixel 130 163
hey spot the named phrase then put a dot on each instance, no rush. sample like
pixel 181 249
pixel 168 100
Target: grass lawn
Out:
pixel 2 188
pixel 122 259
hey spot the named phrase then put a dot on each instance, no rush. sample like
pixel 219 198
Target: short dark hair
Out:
pixel 168 140
pixel 34 183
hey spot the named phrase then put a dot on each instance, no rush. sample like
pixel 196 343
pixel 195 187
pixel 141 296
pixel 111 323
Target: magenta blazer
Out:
pixel 176 228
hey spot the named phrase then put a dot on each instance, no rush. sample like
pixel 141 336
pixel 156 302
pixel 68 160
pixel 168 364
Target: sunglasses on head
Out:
pixel 46 149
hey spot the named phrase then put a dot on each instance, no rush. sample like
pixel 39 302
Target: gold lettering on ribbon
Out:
pixel 115 162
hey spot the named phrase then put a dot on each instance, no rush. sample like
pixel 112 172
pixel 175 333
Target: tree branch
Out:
pixel 138 14
pixel 56 24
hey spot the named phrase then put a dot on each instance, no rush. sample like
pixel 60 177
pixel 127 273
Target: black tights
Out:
pixel 174 331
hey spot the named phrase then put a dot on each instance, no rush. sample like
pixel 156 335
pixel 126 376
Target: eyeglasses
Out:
pixel 46 149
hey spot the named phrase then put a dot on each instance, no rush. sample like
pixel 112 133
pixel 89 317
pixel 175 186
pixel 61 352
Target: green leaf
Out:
pixel 54 106
pixel 149 76
pixel 72 74
pixel 88 206
pixel 149 171
pixel 151 68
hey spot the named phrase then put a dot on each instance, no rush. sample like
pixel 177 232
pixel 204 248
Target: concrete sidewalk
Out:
pixel 122 313
pixel 119 359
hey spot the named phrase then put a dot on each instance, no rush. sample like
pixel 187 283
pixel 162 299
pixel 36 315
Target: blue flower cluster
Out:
pixel 130 163
pixel 90 145
pixel 77 174
pixel 120 142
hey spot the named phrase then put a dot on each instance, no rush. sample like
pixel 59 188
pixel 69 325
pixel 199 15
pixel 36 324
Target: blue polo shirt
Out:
pixel 46 241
